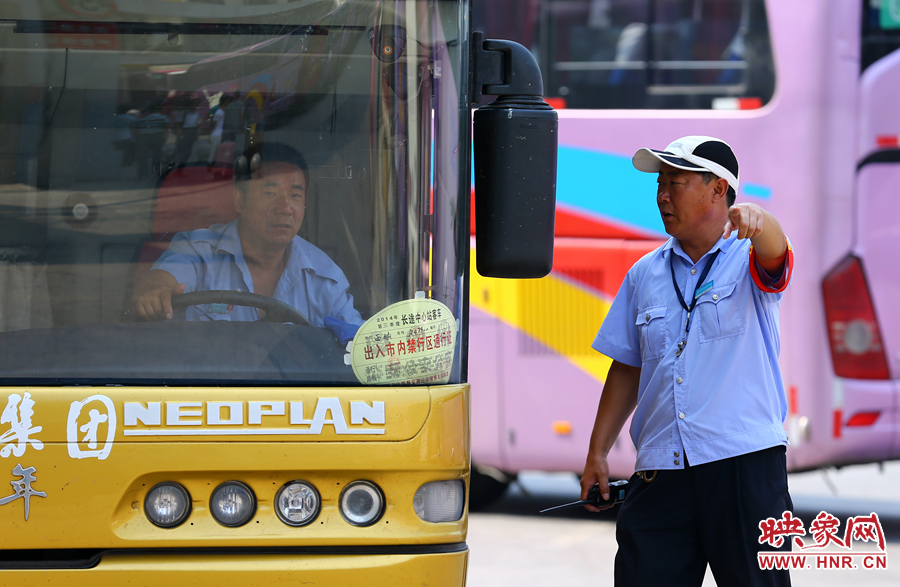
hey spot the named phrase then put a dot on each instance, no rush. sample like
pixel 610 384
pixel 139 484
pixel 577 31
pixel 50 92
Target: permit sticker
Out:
pixel 410 342
pixel 703 289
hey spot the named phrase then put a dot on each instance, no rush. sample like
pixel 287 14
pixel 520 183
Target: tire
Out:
pixel 486 485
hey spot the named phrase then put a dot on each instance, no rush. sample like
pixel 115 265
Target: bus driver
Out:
pixel 259 252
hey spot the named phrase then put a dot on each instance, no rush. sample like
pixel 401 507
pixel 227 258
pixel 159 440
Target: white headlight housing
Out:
pixel 297 503
pixel 232 504
pixel 440 501
pixel 362 503
pixel 167 504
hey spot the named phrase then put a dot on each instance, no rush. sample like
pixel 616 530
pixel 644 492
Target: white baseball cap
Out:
pixel 693 153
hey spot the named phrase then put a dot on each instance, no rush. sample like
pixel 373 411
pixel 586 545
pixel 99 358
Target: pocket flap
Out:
pixel 647 314
pixel 716 294
pixel 216 311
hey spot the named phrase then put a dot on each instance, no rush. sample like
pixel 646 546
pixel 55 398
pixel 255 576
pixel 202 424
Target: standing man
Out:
pixel 233 123
pixel 149 137
pixel 694 337
pixel 218 120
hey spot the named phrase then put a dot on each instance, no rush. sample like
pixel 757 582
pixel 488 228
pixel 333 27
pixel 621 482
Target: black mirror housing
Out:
pixel 515 140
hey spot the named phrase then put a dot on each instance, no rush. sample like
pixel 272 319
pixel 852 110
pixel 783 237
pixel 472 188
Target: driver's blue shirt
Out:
pixel 213 259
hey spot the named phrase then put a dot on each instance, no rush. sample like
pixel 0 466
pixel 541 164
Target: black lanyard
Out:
pixel 687 324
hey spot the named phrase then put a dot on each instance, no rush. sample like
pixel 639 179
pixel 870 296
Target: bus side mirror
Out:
pixel 515 141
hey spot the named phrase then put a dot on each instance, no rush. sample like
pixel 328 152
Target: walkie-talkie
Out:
pixel 617 490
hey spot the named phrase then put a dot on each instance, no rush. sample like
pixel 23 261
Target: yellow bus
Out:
pixel 234 266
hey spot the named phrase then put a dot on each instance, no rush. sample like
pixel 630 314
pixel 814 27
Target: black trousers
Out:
pixel 669 529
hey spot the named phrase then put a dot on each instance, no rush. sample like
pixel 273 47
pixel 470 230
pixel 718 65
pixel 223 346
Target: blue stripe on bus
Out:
pixel 757 191
pixel 607 185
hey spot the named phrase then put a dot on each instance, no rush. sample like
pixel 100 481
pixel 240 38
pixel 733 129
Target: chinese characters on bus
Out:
pixel 22 488
pixel 20 436
pixel 17 414
pixel 15 441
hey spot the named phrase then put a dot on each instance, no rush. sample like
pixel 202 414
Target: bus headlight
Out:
pixel 440 501
pixel 167 504
pixel 232 504
pixel 362 503
pixel 297 503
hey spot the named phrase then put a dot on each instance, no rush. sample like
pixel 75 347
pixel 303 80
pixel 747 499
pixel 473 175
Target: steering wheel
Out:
pixel 276 311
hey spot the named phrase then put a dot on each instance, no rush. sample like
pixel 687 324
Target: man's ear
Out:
pixel 720 189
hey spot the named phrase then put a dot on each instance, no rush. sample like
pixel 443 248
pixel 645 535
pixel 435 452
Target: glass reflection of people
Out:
pixel 218 122
pixel 234 118
pixel 259 252
pixel 149 137
pixel 187 125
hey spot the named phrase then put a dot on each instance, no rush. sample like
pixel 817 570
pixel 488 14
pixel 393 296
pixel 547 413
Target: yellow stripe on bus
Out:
pixel 557 314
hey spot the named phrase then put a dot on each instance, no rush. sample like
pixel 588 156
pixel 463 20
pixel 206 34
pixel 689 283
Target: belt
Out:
pixel 647 476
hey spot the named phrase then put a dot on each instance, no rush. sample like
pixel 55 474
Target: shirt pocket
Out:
pixel 651 322
pixel 205 313
pixel 720 313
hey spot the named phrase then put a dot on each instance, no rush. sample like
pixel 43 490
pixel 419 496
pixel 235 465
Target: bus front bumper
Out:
pixel 199 570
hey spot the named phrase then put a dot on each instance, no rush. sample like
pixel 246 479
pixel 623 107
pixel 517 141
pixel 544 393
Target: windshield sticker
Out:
pixel 22 487
pixel 410 342
pixel 17 414
pixel 102 413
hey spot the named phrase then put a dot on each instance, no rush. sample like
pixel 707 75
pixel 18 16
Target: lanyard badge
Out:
pixel 699 291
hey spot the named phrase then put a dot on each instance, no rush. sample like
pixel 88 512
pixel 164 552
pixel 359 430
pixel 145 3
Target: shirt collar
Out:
pixel 298 254
pixel 722 245
pixel 230 241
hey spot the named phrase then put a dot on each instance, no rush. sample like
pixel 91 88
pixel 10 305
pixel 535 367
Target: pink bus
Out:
pixel 807 93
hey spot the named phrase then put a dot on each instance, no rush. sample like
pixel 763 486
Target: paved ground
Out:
pixel 511 544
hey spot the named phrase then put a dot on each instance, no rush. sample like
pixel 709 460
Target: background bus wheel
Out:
pixel 486 485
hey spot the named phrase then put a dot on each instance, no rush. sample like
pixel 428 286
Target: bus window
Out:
pixel 649 54
pixel 133 142
pixel 880 31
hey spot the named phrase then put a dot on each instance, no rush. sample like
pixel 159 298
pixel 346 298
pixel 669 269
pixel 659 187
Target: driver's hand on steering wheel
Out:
pixel 152 298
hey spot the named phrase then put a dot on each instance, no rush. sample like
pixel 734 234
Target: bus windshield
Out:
pixel 291 169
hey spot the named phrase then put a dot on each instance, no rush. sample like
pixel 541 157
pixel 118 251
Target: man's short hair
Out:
pixel 271 152
pixel 730 196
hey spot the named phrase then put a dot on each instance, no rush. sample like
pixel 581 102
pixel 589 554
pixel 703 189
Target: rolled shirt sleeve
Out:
pixel 183 261
pixel 764 281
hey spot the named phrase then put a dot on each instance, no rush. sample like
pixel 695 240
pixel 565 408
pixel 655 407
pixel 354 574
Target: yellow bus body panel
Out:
pixel 431 570
pixel 98 503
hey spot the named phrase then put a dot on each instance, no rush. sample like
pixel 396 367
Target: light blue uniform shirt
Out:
pixel 723 396
pixel 212 259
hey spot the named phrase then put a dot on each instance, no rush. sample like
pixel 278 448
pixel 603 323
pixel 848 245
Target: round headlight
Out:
pixel 232 504
pixel 440 501
pixel 362 503
pixel 297 503
pixel 167 504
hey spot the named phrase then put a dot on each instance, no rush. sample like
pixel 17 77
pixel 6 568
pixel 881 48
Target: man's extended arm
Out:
pixel 617 401
pixel 763 230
